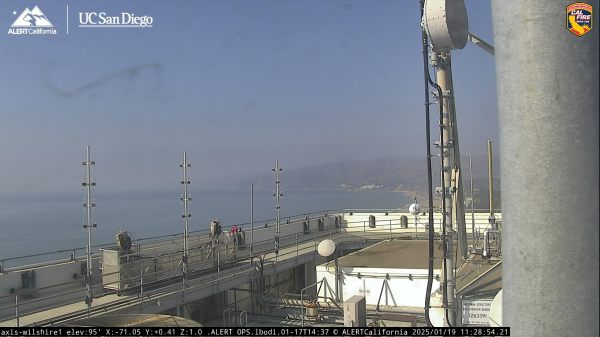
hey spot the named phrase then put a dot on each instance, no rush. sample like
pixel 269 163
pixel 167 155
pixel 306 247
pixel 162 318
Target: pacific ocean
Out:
pixel 45 222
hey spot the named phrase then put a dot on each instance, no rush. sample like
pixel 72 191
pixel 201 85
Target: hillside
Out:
pixel 406 174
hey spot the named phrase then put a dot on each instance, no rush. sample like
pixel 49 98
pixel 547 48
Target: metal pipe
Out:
pixel 186 199
pixel 17 311
pixel 486 241
pixel 251 221
pixel 88 183
pixel 288 302
pixel 547 83
pixel 337 276
pixel 364 233
pixel 472 200
pixel 491 185
pixel 277 195
pixel 428 81
pixel 142 289
pixel 383 287
pixel 228 311
pixel 481 44
pixel 458 196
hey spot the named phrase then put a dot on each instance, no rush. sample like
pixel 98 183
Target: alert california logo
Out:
pixel 31 22
pixel 579 18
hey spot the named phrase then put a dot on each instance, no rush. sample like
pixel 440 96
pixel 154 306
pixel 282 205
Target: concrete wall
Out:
pixel 49 277
pixel 358 222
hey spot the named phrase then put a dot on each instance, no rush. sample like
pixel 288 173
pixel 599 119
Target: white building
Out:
pixel 390 273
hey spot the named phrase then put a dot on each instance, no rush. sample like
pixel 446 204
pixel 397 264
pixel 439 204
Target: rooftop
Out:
pixel 479 277
pixel 395 254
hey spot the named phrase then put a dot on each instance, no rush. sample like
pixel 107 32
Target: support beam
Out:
pixel 481 44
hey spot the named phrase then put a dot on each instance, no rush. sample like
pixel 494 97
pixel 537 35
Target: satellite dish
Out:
pixel 326 247
pixel 123 240
pixel 414 209
pixel 446 24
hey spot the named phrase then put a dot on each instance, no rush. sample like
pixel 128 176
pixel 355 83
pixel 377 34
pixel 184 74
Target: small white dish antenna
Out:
pixel 326 247
pixel 414 209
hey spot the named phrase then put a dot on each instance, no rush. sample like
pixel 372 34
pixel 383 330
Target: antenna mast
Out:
pixel 472 200
pixel 277 195
pixel 185 199
pixel 89 205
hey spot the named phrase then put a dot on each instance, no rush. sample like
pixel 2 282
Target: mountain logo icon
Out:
pixel 32 18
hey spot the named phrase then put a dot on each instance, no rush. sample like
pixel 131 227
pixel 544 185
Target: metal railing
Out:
pixel 161 278
pixel 270 223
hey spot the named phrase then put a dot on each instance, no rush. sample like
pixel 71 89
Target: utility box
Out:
pixel 355 312
pixel 372 221
pixel 119 269
pixel 404 221
pixel 28 283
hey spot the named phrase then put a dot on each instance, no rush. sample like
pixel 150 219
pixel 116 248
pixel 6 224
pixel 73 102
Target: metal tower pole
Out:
pixel 491 218
pixel 277 195
pixel 251 221
pixel 89 205
pixel 547 83
pixel 446 148
pixel 472 200
pixel 458 194
pixel 185 199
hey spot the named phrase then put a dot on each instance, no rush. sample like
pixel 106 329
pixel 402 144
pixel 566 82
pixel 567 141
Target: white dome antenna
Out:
pixel 414 209
pixel 326 247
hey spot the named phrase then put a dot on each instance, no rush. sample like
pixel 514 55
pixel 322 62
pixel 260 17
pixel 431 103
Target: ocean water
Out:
pixel 40 223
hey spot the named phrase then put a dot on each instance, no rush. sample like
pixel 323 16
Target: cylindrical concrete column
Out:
pixel 445 137
pixel 547 82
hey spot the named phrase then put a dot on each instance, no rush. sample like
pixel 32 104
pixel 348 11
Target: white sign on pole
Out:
pixel 476 312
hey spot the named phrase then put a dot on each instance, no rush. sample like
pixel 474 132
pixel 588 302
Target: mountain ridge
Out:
pixel 386 173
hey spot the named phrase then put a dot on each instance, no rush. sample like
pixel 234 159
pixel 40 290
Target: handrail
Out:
pixel 207 273
pixel 132 278
pixel 297 218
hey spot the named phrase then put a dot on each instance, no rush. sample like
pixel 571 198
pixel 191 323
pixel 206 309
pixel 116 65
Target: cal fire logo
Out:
pixel 579 18
pixel 32 22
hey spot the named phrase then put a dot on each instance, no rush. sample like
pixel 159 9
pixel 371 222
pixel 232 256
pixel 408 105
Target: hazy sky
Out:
pixel 236 84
